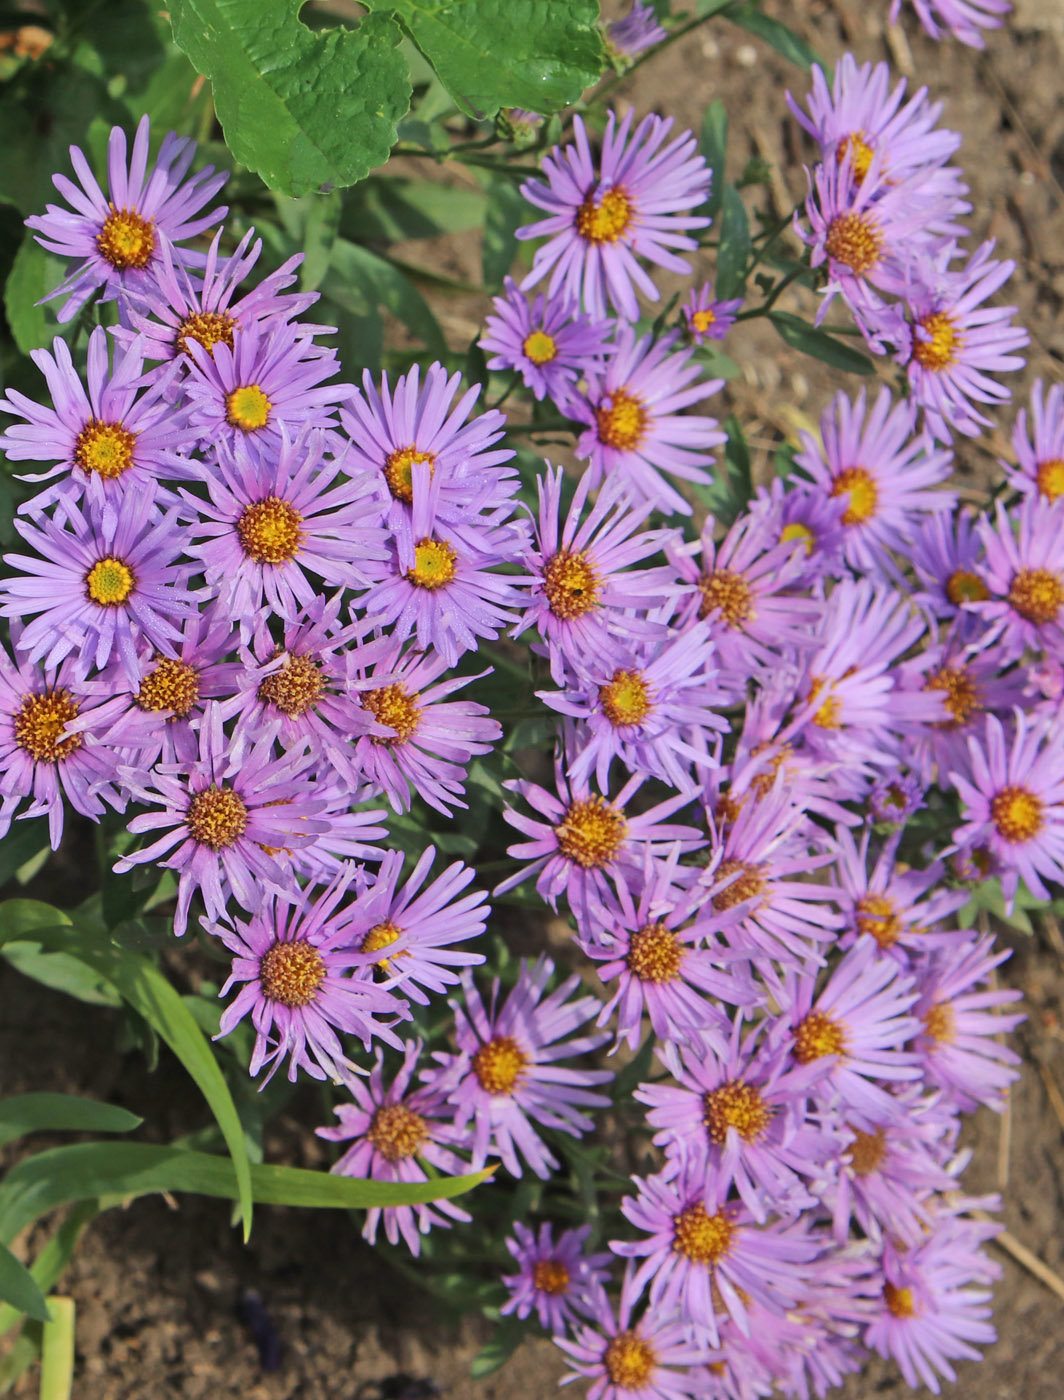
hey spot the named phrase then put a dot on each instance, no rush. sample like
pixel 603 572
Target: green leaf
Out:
pixel 360 281
pixel 54 1113
pixel 734 250
pixel 302 109
pixel 125 1169
pixel 391 209
pixel 18 1288
pixel 737 456
pixel 507 211
pixel 319 238
pixel 143 987
pixel 23 843
pixel 57 1351
pixel 34 274
pixel 775 33
pixel 811 340
pixel 61 973
pixel 506 53
pixel 50 1263
pixel 495 1352
pixel 712 144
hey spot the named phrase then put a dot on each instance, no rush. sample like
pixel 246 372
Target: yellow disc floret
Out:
pixel 862 493
pixel 818 1034
pixel 126 240
pixel 621 420
pixel 701 1237
pixel 270 531
pixel 170 685
pixel 655 954
pixel 1037 595
pixel 571 585
pixel 399 471
pixel 247 408
pixel 629 1362
pixel 104 448
pixel 392 705
pixel 855 241
pixel 540 347
pixel 291 973
pixel 207 328
pixel 728 594
pixel 397 1132
pixel 625 698
pixel 591 833
pixel 735 1105
pixel 1017 813
pixel 499 1065
pixel 605 217
pixel 39 723
pixel 295 687
pixel 435 564
pixel 937 348
pixel 109 582
pixel 217 817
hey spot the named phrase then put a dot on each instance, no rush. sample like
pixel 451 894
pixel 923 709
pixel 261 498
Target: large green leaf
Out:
pixel 50 1263
pixel 140 983
pixel 811 340
pixel 125 1169
pixel 734 245
pixel 359 281
pixel 34 274
pixel 506 53
pixel 40 1113
pixel 19 1288
pixel 303 109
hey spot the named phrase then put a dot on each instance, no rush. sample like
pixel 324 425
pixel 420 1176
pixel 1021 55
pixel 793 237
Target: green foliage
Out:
pixel 811 340
pixel 774 32
pixel 712 143
pixel 18 1288
pixel 50 1113
pixel 734 252
pixel 303 109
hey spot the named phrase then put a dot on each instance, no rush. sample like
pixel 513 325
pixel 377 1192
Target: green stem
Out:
pixel 57 1351
pixel 774 296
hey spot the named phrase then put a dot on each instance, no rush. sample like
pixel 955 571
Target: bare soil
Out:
pixel 158 1286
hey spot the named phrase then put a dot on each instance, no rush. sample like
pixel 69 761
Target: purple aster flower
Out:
pixel 705 1256
pixel 588 841
pixel 636 429
pixel 806 517
pixel 117 437
pixel 107 581
pixel 505 1077
pixel 583 594
pixel 637 31
pixel 554 1277
pixel 896 797
pixel 859 114
pixel 206 308
pixel 929 1312
pixel 413 930
pixel 1040 451
pixel 273 376
pixel 651 710
pixel 947 555
pixel 854 1029
pixel 228 814
pixel 1023 577
pixel 960 1026
pixel 295 960
pixel 884 473
pixel 549 343
pixel 746 587
pixel 708 319
pixel 666 966
pixel 737 1113
pixel 955 343
pixel 600 220
pixel 396 1130
pixel 394 432
pixel 351 832
pixel 116 236
pixel 420 742
pixel 965 20
pixel 1013 799
pixel 448 597
pixel 54 744
pixel 258 538
pixel 654 1357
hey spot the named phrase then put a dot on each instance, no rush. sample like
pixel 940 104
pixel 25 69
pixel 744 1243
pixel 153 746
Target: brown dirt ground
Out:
pixel 157 1285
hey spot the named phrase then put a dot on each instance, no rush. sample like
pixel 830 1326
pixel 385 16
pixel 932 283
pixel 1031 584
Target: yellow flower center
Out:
pixel 828 715
pixel 499 1065
pixel 797 531
pixel 702 320
pixel 899 1301
pixel 701 1237
pixel 104 448
pixel 291 973
pixel 40 720
pixel 629 1361
pixel 591 833
pixel 877 915
pixel 748 883
pixel 818 1035
pixel 435 565
pixel 247 408
pixel 859 486
pixel 170 685
pixel 940 1024
pixel 735 1105
pixel 729 594
pixel 867 1151
pixel 109 582
pixel 269 531
pixel 943 341
pixel 399 471
pixel 963 586
pixel 540 347
pixel 382 936
pixel 397 1132
pixel 1037 595
pixel 1017 813
pixel 126 240
pixel 855 241
pixel 570 584
pixel 393 706
pixel 550 1276
pixel 1050 477
pixel 605 219
pixel 295 687
pixel 217 817
pixel 622 421
pixel 860 154
pixel 208 328
pixel 655 954
pixel 960 696
pixel 625 699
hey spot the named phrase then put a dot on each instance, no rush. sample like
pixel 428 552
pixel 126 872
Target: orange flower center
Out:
pixel 629 1361
pixel 499 1065
pixel 877 915
pixel 1050 477
pixel 729 594
pixel 591 833
pixel 938 351
pixel 399 471
pixel 1017 813
pixel 291 973
pixel 170 685
pixel 960 696
pixel 217 817
pixel 397 1132
pixel 818 1035
pixel 295 687
pixel 126 240
pixel 571 585
pixel 550 1276
pixel 940 1024
pixel 625 699
pixel 605 219
pixel 269 531
pixel 735 1105
pixel 247 408
pixel 621 421
pixel 899 1301
pixel 1037 595
pixel 860 154
pixel 655 954
pixel 855 241
pixel 963 586
pixel 393 706
pixel 867 1151
pixel 39 723
pixel 861 491
pixel 701 1237
pixel 748 883
pixel 702 320
pixel 207 328
pixel 104 448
